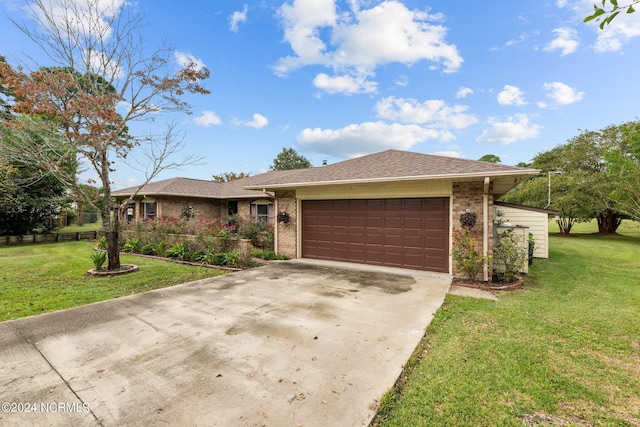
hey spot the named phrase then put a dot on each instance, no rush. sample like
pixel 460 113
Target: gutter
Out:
pixel 501 174
pixel 485 227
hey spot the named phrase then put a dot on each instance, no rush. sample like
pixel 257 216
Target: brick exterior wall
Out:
pixel 469 195
pixel 244 209
pixel 203 209
pixel 287 241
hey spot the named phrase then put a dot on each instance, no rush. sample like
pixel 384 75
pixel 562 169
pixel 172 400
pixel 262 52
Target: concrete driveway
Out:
pixel 288 344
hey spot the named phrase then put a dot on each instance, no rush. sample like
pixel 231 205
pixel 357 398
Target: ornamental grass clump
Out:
pixel 469 260
pixel 98 258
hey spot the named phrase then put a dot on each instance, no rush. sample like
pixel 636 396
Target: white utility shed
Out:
pixel 535 218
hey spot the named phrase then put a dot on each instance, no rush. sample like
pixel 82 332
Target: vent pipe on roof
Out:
pixel 325 163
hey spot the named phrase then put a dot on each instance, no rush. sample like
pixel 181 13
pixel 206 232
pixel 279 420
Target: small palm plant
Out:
pixel 98 258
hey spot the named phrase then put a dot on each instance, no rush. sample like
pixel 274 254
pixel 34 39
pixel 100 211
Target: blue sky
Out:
pixel 338 79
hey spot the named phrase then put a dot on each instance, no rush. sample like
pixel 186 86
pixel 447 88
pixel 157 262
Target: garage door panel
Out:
pixel 393 204
pixel 415 242
pixel 409 233
pixel 393 222
pixel 414 224
pixel 374 222
pixel 375 205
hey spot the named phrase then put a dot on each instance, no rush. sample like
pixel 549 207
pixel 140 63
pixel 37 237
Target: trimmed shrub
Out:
pixel 132 245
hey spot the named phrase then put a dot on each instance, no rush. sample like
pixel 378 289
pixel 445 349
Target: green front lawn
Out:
pixel 565 350
pixel 39 278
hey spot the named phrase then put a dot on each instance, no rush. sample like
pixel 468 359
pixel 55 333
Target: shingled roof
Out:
pixel 187 187
pixel 386 166
pixel 395 165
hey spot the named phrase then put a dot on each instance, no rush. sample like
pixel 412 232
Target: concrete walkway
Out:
pixel 288 344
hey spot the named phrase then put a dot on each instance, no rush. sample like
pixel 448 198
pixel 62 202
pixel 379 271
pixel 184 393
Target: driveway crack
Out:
pixel 67 383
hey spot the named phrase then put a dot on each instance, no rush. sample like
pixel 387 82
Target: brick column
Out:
pixel 469 195
pixel 287 234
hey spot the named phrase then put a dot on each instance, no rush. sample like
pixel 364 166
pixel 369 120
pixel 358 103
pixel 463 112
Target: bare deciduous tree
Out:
pixel 80 110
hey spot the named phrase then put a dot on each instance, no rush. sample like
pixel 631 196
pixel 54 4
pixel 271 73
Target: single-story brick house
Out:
pixel 393 208
pixel 204 199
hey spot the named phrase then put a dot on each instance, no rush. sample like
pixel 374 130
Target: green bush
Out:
pixel 91 217
pixel 267 255
pixel 199 256
pixel 159 248
pixel 102 243
pixel 229 259
pixel 467 255
pixel 149 249
pixel 98 258
pixel 509 256
pixel 260 233
pixel 132 245
pixel 178 251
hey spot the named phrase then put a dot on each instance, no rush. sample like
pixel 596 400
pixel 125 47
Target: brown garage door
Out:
pixel 408 233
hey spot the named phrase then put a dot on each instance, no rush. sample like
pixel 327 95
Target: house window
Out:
pixel 262 213
pixel 262 210
pixel 233 207
pixel 149 209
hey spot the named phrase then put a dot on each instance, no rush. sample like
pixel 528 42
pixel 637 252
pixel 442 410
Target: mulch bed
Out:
pixel 487 286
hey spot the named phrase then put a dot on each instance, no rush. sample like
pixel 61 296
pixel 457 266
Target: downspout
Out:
pixel 485 227
pixel 276 224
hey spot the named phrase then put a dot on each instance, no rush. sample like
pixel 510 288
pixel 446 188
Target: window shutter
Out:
pixel 270 214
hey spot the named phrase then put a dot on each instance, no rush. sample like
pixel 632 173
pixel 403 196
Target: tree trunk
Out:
pixel 565 224
pixel 80 220
pixel 608 222
pixel 113 250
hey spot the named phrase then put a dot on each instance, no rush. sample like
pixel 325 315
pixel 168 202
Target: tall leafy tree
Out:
pixel 26 204
pixel 29 197
pixel 581 184
pixel 624 165
pixel 104 79
pixel 490 158
pixel 230 176
pixel 288 159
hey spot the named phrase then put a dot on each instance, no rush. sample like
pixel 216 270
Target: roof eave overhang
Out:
pixel 521 174
pixel 143 194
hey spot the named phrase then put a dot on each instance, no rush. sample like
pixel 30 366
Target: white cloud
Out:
pixel 357 41
pixel 238 18
pixel 402 81
pixel 448 153
pixel 566 41
pixel 344 84
pixel 463 92
pixel 207 118
pixel 562 94
pixel 620 32
pixel 369 137
pixel 516 128
pixel 512 42
pixel 434 113
pixel 185 60
pixel 511 95
pixel 259 121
